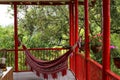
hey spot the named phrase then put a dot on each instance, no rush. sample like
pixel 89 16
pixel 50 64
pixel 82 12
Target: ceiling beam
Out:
pixel 39 2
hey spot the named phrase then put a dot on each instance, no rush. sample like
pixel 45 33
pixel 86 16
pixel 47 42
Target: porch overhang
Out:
pixel 40 2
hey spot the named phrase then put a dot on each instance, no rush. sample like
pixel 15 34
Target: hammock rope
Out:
pixel 46 68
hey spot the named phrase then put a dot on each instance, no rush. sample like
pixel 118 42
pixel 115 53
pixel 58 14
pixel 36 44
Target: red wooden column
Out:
pixel 87 49
pixel 72 35
pixel 106 38
pixel 76 22
pixel 76 37
pixel 16 37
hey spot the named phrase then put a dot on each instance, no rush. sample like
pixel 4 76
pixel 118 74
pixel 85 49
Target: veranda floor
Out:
pixel 25 76
pixel 32 76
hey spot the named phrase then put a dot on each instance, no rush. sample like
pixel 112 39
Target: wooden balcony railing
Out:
pixel 52 53
pixel 95 70
pixel 41 53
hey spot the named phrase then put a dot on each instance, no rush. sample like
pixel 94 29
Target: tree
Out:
pixel 6 37
pixel 47 24
pixel 115 16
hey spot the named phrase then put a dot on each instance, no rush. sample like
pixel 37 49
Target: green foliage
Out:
pixel 44 26
pixel 115 16
pixel 115 52
pixel 48 26
pixel 95 14
pixel 96 40
pixel 6 37
pixel 114 68
pixel 115 38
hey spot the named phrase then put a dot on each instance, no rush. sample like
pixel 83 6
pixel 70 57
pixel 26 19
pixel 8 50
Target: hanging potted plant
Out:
pixel 115 54
pixel 96 43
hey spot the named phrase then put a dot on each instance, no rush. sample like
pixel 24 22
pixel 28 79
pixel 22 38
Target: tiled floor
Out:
pixel 25 76
pixel 32 76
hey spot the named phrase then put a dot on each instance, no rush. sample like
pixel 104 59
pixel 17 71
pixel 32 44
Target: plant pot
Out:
pixel 117 62
pixel 96 49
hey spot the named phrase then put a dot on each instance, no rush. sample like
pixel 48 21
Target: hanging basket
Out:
pixel 117 62
pixel 96 49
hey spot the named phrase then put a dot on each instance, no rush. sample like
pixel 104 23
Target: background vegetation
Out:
pixel 48 26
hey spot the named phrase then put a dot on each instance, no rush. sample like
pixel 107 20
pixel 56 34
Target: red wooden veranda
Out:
pixel 83 66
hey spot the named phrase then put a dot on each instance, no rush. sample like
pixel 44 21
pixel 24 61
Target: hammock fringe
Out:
pixel 47 68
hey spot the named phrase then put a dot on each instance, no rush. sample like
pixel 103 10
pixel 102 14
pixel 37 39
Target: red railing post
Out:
pixel 76 36
pixel 76 22
pixel 87 50
pixel 106 39
pixel 72 34
pixel 16 37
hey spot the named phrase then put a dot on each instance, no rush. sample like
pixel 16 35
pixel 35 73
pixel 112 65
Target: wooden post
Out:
pixel 87 50
pixel 72 35
pixel 76 22
pixel 76 33
pixel 16 37
pixel 106 38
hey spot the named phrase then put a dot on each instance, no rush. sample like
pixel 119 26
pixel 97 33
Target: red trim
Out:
pixel 76 35
pixel 71 23
pixel 113 75
pixel 72 35
pixel 40 49
pixel 16 37
pixel 39 2
pixel 76 22
pixel 87 49
pixel 106 38
pixel 96 63
pixel 80 71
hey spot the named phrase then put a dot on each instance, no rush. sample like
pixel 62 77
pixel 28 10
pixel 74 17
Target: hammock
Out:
pixel 46 68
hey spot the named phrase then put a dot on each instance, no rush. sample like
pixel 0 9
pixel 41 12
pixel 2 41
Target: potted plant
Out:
pixel 96 43
pixel 115 54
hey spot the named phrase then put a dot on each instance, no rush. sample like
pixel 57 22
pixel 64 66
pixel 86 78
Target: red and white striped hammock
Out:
pixel 46 68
